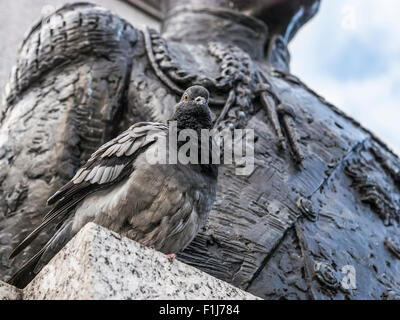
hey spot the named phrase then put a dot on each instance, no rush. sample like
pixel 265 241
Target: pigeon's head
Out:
pixel 198 94
pixel 193 112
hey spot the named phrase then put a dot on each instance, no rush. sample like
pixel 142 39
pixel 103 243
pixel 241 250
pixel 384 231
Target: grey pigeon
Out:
pixel 162 206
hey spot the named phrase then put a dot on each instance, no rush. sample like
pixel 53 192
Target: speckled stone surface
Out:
pixel 8 292
pixel 100 264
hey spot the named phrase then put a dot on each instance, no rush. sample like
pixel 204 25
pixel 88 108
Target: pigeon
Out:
pixel 160 205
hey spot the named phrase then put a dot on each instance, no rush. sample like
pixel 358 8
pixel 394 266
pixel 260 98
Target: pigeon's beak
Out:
pixel 200 100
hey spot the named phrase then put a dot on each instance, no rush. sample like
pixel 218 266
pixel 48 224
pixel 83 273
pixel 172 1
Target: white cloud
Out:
pixel 367 30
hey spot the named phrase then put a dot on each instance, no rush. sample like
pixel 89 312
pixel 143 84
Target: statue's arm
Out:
pixel 63 100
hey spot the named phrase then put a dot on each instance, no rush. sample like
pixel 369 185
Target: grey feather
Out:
pixel 78 173
pixel 111 151
pixel 123 149
pixel 135 147
pixel 116 171
pixel 106 175
pixel 98 175
pixel 125 138
pixel 60 238
pixel 92 173
pixel 81 177
pixel 144 129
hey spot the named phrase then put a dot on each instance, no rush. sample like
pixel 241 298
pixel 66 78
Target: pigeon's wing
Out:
pixel 108 165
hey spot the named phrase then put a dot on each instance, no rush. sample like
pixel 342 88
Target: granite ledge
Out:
pixel 8 292
pixel 99 264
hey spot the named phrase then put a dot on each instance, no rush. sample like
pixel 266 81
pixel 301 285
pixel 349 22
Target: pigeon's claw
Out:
pixel 171 257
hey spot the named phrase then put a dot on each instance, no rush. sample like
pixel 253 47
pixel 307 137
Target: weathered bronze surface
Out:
pixel 324 194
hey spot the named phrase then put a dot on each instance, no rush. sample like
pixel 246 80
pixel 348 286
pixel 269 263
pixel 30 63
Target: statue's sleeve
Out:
pixel 63 100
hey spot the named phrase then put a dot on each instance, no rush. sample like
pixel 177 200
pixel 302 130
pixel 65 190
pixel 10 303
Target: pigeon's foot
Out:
pixel 171 256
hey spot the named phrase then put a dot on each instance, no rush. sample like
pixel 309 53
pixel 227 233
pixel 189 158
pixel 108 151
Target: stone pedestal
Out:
pixel 8 292
pixel 100 264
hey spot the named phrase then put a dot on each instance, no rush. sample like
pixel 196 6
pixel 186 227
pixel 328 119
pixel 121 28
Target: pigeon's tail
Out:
pixel 32 267
pixel 26 273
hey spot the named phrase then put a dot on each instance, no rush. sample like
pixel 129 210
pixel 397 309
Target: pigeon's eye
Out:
pixel 185 97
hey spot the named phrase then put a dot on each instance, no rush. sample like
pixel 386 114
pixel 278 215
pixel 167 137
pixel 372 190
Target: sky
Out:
pixel 350 54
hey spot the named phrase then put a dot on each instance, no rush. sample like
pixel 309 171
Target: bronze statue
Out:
pixel 318 217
